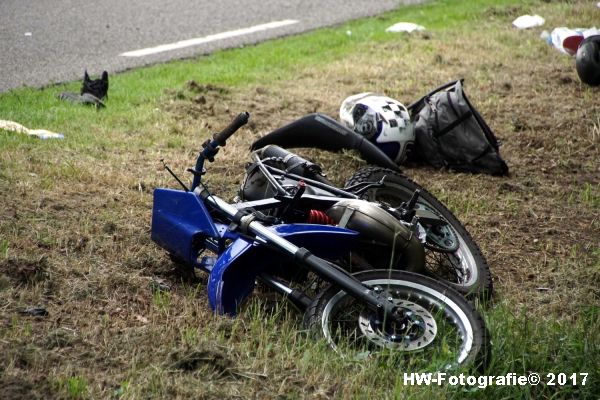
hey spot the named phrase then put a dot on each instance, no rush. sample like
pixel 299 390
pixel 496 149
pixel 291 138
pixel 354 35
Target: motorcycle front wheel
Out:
pixel 440 330
pixel 451 254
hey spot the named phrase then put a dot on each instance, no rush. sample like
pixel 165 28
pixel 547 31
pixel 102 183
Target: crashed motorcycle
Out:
pixel 285 241
pixel 451 255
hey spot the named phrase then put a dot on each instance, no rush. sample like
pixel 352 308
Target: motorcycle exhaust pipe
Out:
pixel 380 227
pixel 413 255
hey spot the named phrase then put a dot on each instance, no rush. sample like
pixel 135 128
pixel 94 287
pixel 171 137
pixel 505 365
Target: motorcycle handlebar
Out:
pixel 237 123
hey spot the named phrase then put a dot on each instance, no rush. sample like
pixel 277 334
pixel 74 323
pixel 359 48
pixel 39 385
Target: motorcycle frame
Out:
pixel 188 222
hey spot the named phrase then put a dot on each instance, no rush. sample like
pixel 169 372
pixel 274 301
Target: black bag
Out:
pixel 450 133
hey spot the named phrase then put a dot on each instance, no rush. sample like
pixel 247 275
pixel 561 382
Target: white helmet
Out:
pixel 382 120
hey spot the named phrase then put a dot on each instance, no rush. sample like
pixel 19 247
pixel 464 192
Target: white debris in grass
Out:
pixel 528 21
pixel 405 27
pixel 40 133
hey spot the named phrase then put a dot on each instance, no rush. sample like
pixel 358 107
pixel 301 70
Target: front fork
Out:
pixel 377 301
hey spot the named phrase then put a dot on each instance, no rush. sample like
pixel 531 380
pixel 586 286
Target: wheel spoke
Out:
pixel 446 266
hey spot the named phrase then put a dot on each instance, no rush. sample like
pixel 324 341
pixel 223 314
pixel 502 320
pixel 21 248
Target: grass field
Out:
pixel 75 213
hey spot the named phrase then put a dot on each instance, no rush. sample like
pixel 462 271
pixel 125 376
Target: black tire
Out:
pixel 465 269
pixel 445 331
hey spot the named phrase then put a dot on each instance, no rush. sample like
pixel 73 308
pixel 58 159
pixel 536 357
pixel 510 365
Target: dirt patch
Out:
pixel 504 11
pixel 17 387
pixel 25 271
pixel 210 359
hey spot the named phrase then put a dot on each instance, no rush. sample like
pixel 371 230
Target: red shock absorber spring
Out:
pixel 319 217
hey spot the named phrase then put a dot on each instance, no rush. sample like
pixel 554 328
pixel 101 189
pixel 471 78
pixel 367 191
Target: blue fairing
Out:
pixel 178 217
pixel 233 275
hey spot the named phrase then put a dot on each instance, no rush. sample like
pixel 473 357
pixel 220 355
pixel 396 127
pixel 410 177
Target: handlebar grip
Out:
pixel 237 123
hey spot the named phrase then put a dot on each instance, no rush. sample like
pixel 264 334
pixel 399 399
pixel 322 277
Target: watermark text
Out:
pixel 483 381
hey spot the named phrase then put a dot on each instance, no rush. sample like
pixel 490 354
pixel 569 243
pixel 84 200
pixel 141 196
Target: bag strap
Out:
pixel 444 87
pixel 487 150
pixel 419 103
pixel 487 131
pixel 454 124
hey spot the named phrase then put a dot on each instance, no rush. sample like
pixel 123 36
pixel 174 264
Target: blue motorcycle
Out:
pixel 334 256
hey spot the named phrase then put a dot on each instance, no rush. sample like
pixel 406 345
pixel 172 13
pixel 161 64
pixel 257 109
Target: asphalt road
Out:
pixel 43 42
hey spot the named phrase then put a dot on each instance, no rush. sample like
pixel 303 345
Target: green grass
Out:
pixel 133 94
pixel 524 345
pixel 75 387
pixel 521 346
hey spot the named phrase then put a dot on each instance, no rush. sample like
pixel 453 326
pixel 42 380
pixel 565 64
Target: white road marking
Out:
pixel 209 38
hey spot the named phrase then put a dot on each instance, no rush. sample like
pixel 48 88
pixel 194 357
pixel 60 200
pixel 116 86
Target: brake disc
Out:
pixel 417 331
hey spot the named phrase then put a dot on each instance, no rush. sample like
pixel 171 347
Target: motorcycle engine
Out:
pixel 387 240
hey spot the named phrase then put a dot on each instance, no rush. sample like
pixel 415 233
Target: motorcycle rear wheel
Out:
pixel 465 269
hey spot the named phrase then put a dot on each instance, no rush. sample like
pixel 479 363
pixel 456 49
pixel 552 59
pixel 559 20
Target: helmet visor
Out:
pixel 366 120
